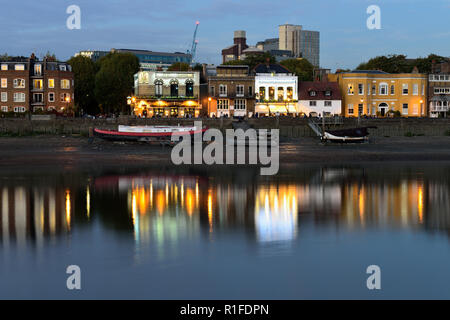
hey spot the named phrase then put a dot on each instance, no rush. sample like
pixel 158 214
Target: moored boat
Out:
pixel 146 133
pixel 347 135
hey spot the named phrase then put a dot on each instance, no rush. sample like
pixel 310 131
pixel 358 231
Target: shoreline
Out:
pixel 68 153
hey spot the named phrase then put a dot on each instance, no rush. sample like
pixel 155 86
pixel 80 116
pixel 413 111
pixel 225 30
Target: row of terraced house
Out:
pixel 271 89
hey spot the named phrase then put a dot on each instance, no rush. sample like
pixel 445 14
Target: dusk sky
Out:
pixel 411 27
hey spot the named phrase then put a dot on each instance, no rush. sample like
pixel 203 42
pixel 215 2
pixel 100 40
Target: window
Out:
pixel 222 104
pixel 415 89
pixel 272 93
pixel 405 89
pixel 65 84
pixel 239 90
pixel 383 89
pixel 350 89
pixel 212 91
pixel 328 93
pixel 51 83
pixel 4 96
pixel 19 109
pixel 327 103
pixel 350 109
pixel 5 109
pixel 423 89
pixel 289 93
pixel 374 89
pixel 250 91
pixel 37 84
pixel 38 97
pixel 239 104
pixel 37 69
pixel 174 88
pixel 360 109
pixel 51 97
pixel 280 93
pixel 405 108
pixel 360 89
pixel 158 88
pixel 222 90
pixel 392 89
pixel 65 97
pixel 4 67
pixel 4 83
pixel 262 93
pixel 312 103
pixel 19 83
pixel 19 97
pixel 62 67
pixel 312 93
pixel 19 67
pixel 189 88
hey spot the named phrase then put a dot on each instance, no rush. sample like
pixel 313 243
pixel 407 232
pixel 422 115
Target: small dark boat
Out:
pixel 146 133
pixel 347 135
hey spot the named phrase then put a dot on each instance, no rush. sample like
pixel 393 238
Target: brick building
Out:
pixel 234 51
pixel 231 92
pixel 30 84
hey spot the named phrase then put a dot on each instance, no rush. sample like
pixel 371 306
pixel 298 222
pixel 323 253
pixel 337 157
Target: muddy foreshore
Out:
pixel 66 153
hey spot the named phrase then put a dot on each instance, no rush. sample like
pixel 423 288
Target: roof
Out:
pixel 227 66
pixel 304 88
pixel 270 68
pixel 148 52
pixel 368 71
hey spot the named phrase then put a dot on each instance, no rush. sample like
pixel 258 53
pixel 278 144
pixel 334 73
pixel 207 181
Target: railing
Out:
pixel 168 97
pixel 437 109
pixel 275 101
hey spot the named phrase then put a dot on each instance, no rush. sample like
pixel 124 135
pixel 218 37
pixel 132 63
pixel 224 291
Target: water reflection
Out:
pixel 164 209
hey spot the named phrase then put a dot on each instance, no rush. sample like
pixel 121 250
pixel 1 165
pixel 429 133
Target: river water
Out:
pixel 309 232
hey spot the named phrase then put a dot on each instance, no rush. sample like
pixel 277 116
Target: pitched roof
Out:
pixel 320 87
pixel 270 68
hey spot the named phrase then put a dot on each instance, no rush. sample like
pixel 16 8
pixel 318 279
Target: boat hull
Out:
pixel 114 135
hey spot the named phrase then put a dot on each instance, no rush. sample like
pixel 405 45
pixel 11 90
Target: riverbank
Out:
pixel 69 153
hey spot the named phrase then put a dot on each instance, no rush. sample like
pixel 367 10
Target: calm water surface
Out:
pixel 309 232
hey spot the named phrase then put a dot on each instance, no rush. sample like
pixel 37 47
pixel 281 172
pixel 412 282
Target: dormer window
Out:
pixel 312 93
pixel 328 93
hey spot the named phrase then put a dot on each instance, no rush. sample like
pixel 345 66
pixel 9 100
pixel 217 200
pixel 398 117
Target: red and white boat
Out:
pixel 147 133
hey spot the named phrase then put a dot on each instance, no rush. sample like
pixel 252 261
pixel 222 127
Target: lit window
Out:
pixel 19 83
pixel 350 90
pixel 37 84
pixel 19 67
pixel 4 67
pixel 222 104
pixel 37 69
pixel 65 84
pixel 4 83
pixel 51 83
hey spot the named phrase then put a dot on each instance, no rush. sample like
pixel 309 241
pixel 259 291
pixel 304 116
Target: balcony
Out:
pixel 439 109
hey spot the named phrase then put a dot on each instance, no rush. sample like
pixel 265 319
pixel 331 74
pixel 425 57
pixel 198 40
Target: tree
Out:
pixel 179 66
pixel 252 60
pixel 302 68
pixel 84 74
pixel 114 81
pixel 400 64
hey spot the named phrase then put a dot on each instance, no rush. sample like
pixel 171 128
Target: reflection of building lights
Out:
pixel 420 203
pixel 88 203
pixel 133 208
pixel 361 205
pixel 68 208
pixel 210 213
pixel 189 201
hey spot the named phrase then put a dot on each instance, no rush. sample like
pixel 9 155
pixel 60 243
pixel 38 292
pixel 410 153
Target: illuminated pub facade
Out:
pixel 166 94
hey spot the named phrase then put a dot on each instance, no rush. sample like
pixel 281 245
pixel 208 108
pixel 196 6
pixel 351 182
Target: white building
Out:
pixel 276 90
pixel 319 98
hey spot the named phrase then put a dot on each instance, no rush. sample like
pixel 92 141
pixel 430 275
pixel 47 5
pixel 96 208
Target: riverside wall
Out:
pixel 289 127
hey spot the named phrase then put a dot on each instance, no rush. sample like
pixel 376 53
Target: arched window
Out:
pixel 280 93
pixel 189 88
pixel 174 88
pixel 158 88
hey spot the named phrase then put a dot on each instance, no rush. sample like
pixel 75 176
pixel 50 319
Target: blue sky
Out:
pixel 411 27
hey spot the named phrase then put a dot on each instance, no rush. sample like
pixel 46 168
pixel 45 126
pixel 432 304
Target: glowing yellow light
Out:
pixel 133 207
pixel 88 203
pixel 420 204
pixel 68 209
pixel 210 213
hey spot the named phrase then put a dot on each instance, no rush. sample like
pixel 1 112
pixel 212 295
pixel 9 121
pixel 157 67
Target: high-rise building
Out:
pixel 302 43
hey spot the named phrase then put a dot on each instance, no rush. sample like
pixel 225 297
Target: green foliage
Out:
pixel 84 72
pixel 302 68
pixel 179 66
pixel 400 64
pixel 114 81
pixel 252 60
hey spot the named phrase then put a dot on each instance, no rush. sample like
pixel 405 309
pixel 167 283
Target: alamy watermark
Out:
pixel 74 19
pixel 73 282
pixel 374 20
pixel 374 280
pixel 256 142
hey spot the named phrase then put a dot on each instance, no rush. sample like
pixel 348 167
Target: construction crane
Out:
pixel 194 44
